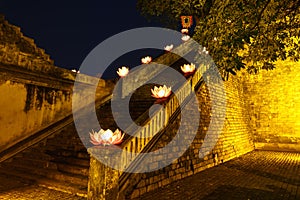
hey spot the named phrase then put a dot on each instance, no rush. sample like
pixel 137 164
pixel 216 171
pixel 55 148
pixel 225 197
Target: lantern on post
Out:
pixel 186 21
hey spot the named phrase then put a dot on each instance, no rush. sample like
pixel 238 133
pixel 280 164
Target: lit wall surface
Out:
pixel 273 99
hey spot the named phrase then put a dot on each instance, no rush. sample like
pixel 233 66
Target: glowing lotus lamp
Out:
pixel 106 137
pixel 185 31
pixel 169 47
pixel 146 60
pixel 188 68
pixel 123 71
pixel 161 92
pixel 185 38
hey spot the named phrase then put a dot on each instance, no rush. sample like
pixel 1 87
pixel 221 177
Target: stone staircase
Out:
pixel 61 161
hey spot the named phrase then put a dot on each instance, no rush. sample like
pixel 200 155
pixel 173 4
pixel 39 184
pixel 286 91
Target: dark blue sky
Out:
pixel 69 30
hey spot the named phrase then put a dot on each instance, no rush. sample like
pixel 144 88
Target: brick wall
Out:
pixel 274 103
pixel 235 140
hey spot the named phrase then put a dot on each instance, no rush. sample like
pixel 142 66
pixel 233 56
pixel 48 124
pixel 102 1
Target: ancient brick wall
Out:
pixel 34 92
pixel 234 140
pixel 274 103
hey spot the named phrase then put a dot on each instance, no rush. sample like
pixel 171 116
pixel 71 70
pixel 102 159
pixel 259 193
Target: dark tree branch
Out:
pixel 260 15
pixel 206 8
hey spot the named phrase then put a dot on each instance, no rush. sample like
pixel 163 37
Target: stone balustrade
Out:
pixel 135 144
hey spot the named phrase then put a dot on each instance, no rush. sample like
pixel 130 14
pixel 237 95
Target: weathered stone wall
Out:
pixel 235 140
pixel 35 93
pixel 274 103
pixel 31 102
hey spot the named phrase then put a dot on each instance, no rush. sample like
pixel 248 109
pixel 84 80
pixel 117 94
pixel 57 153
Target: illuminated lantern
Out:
pixel 106 137
pixel 185 38
pixel 169 47
pixel 122 72
pixel 74 70
pixel 146 60
pixel 186 21
pixel 161 92
pixel 185 31
pixel 188 68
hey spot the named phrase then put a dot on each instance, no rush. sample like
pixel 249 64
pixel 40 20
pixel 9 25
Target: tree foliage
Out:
pixel 249 34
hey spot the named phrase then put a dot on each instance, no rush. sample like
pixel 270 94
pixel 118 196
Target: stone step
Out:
pixel 43 181
pixel 73 169
pixel 33 152
pixel 68 153
pixel 39 163
pixel 48 173
pixel 73 161
pixel 60 146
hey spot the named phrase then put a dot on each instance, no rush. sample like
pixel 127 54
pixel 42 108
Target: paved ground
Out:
pixel 255 176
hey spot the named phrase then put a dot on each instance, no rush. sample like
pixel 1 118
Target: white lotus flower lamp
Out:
pixel 185 31
pixel 146 60
pixel 161 92
pixel 185 38
pixel 188 68
pixel 123 71
pixel 106 137
pixel 169 47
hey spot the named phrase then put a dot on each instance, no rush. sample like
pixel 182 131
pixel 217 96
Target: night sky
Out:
pixel 69 30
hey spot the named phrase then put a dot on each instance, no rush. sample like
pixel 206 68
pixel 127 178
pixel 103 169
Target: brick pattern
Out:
pixel 257 175
pixel 235 140
pixel 274 103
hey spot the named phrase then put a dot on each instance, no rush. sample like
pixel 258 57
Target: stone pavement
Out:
pixel 259 175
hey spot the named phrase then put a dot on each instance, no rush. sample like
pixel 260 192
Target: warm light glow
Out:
pixel 185 38
pixel 161 91
pixel 185 30
pixel 169 47
pixel 203 51
pixel 186 21
pixel 74 70
pixel 123 71
pixel 146 60
pixel 106 137
pixel 188 68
